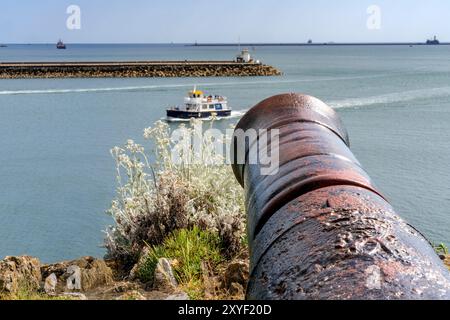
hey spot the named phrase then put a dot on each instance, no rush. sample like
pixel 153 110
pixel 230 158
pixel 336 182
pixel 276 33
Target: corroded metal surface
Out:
pixel 319 228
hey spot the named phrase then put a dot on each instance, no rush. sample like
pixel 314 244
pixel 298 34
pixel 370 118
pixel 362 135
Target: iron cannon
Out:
pixel 318 227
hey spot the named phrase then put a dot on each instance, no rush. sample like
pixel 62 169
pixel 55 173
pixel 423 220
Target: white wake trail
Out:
pixel 390 98
pixel 183 85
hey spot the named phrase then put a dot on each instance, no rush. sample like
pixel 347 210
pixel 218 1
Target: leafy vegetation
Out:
pixel 441 249
pixel 155 200
pixel 188 249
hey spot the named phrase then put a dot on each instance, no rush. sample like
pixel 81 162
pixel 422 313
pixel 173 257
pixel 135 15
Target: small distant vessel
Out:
pixel 60 45
pixel 244 57
pixel 198 105
pixel 3 45
pixel 433 41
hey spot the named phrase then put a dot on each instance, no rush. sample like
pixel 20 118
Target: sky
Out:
pixel 187 21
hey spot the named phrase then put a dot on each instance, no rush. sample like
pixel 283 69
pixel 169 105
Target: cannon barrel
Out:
pixel 318 228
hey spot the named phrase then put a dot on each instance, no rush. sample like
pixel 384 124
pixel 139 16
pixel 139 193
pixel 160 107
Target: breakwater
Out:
pixel 134 69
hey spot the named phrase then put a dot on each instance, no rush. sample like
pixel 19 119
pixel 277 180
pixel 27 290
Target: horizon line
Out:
pixel 331 43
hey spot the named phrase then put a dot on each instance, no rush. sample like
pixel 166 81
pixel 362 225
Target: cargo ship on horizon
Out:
pixel 433 41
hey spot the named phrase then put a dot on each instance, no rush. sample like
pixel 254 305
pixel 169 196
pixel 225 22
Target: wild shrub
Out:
pixel 156 198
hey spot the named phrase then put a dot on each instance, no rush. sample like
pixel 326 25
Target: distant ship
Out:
pixel 60 45
pixel 434 41
pixel 3 45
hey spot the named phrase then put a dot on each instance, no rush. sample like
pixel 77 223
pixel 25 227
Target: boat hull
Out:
pixel 177 114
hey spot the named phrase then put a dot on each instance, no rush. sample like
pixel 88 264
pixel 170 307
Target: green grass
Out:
pixel 441 249
pixel 189 248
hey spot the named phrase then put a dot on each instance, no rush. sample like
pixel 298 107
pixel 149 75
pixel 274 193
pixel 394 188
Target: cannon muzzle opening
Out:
pixel 318 228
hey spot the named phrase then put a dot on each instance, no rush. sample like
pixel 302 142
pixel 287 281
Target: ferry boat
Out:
pixel 60 45
pixel 198 105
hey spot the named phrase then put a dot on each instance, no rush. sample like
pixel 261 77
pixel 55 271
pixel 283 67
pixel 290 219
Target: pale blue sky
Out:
pixel 157 21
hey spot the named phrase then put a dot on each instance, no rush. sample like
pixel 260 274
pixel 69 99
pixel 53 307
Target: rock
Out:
pixel 178 296
pixel 73 282
pixel 95 274
pixel 17 272
pixel 73 295
pixel 164 279
pixel 134 273
pixel 50 284
pixel 132 295
pixel 83 274
pixel 59 269
pixel 122 287
pixel 236 272
pixel 236 289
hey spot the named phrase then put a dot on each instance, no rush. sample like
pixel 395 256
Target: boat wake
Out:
pixel 86 90
pixel 185 85
pixel 390 98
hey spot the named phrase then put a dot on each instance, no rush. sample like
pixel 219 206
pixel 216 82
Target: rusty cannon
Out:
pixel 318 228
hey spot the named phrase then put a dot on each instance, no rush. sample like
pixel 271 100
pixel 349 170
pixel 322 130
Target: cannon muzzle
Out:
pixel 318 228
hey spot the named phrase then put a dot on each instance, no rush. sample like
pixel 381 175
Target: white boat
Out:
pixel 199 105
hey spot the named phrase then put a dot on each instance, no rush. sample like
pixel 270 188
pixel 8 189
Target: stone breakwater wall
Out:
pixel 145 69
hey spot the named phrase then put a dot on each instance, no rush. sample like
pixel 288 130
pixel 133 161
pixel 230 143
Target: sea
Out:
pixel 57 177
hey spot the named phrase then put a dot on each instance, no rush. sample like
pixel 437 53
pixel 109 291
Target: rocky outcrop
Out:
pixel 83 279
pixel 136 70
pixel 79 275
pixel 92 279
pixel 19 272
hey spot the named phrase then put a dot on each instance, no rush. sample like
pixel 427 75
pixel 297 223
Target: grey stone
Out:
pixel 178 296
pixel 50 284
pixel 164 279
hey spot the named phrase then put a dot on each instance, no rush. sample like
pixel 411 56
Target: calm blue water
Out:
pixel 57 176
